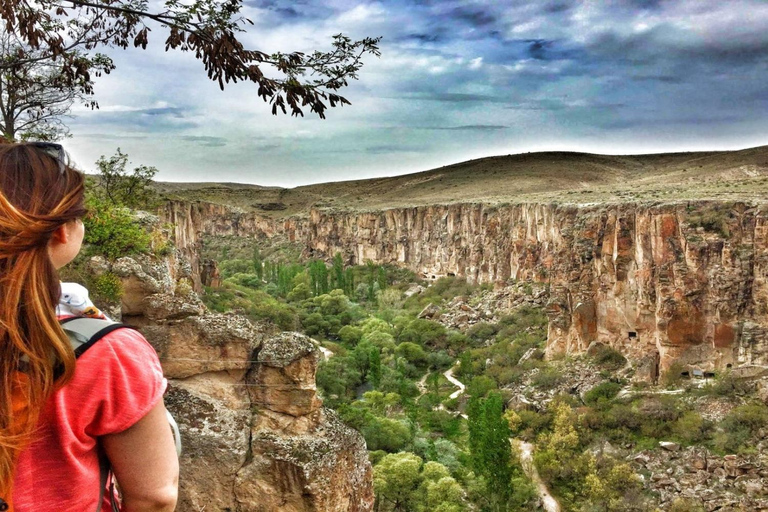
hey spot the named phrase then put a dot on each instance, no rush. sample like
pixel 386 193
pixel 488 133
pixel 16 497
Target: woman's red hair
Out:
pixel 36 198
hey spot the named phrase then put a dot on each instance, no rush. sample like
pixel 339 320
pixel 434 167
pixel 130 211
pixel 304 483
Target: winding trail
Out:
pixel 526 459
pixel 526 452
pixel 449 375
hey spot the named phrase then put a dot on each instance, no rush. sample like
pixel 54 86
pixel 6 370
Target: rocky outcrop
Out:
pixel 665 283
pixel 255 434
pixel 728 483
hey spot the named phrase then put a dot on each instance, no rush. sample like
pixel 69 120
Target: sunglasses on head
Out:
pixel 55 151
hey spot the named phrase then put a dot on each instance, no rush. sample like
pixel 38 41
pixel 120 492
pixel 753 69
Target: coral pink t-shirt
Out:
pixel 116 382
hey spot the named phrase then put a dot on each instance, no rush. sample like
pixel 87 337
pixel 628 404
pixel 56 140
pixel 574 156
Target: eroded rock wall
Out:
pixel 255 435
pixel 653 280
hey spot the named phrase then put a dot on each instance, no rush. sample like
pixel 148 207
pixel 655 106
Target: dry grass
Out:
pixel 530 177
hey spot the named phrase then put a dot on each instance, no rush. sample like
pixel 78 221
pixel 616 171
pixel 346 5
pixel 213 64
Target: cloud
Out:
pixel 206 141
pixel 456 79
pixel 471 127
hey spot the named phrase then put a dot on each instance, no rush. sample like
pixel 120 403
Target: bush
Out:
pixel 387 434
pixel 112 231
pixel 350 334
pixel 482 332
pixel 739 427
pixel 423 332
pixel 608 358
pixel 107 287
pixel 692 428
pixel 727 385
pixel 547 378
pixel 603 392
pixel 412 353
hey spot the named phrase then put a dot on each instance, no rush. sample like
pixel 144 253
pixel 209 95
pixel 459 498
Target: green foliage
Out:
pixel 727 385
pixel 424 332
pixel 120 188
pixel 350 335
pixel 482 332
pixel 480 386
pixel 601 393
pixel 402 482
pixel 608 358
pixel 548 378
pixel 112 231
pixel 229 268
pixel 107 287
pixel 739 427
pixel 686 505
pixel 387 434
pixel 255 304
pixel 489 447
pixel 412 353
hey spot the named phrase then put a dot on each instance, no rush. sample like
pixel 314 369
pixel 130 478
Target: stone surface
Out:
pixel 284 380
pixel 718 483
pixel 255 435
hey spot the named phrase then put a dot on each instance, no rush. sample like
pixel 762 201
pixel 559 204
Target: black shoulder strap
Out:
pixel 83 333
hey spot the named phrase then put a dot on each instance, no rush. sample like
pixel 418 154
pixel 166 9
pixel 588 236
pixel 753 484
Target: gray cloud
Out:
pixel 203 140
pixel 456 80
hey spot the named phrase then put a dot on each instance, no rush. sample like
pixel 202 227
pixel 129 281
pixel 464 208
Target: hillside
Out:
pixel 529 177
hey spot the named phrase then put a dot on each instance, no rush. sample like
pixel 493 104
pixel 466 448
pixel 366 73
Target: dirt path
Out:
pixel 327 354
pixel 449 375
pixel 526 459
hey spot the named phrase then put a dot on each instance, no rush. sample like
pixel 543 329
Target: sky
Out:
pixel 456 80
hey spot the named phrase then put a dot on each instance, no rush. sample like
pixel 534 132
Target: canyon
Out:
pixel 679 284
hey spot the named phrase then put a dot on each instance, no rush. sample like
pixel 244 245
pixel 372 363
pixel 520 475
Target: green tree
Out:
pixel 258 263
pixel 374 367
pixel 338 272
pixel 210 30
pixel 112 231
pixel 395 479
pixel 404 483
pixel 490 449
pixel 119 187
pixel 36 93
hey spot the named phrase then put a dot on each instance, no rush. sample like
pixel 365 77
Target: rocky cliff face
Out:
pixel 665 283
pixel 256 437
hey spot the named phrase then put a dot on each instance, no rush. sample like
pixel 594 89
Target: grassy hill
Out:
pixel 529 177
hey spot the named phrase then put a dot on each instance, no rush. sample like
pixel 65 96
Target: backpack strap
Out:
pixel 83 333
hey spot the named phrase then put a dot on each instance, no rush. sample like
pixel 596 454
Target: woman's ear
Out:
pixel 61 235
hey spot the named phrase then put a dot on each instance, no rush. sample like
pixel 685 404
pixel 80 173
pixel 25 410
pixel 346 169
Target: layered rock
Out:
pixel 255 434
pixel 665 283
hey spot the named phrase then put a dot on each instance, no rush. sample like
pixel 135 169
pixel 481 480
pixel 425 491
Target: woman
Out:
pixel 58 417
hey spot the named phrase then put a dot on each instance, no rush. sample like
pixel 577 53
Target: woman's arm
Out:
pixel 145 464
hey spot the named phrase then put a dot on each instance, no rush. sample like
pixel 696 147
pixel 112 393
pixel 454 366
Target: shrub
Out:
pixel 691 428
pixel 108 287
pixel 412 353
pixel 350 334
pixel 482 332
pixel 608 358
pixel 686 505
pixel 387 434
pixel 603 392
pixel 112 231
pixel 547 378
pixel 727 384
pixel 740 426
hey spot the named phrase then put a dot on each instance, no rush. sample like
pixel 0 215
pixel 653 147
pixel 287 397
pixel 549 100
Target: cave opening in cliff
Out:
pixel 632 335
